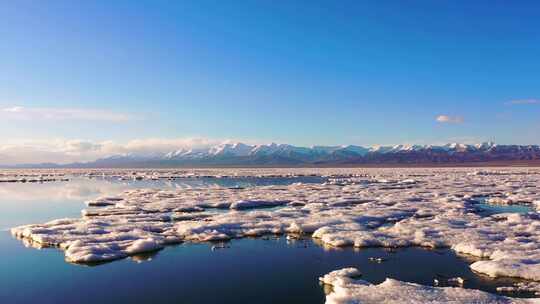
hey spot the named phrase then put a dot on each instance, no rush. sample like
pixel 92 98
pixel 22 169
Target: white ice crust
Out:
pixel 347 289
pixel 357 207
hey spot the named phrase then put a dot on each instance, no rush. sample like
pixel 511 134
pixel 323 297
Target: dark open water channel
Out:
pixel 267 270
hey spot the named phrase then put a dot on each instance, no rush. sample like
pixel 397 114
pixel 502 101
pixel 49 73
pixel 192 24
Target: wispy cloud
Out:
pixel 529 101
pixel 449 119
pixel 35 113
pixel 75 150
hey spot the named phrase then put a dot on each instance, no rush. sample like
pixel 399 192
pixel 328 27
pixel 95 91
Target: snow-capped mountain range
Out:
pixel 240 154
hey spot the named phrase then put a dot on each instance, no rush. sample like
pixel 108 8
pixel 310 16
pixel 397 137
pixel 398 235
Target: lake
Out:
pixel 252 270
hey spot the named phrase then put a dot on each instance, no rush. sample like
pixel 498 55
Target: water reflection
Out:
pixel 483 208
pixel 46 192
pixel 271 269
pixel 489 209
pixel 144 257
pixel 25 203
pixel 253 270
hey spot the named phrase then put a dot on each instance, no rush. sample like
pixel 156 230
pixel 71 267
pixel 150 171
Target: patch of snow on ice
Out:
pixel 346 289
pixel 361 208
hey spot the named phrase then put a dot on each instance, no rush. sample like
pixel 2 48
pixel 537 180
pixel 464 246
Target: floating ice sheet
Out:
pixel 346 288
pixel 357 207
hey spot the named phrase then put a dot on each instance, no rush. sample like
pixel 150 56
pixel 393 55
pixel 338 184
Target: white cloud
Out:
pixel 524 101
pixel 35 113
pixel 449 119
pixel 67 151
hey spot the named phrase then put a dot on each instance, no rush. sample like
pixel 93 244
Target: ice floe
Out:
pixel 347 288
pixel 31 177
pixel 356 207
pixel 521 287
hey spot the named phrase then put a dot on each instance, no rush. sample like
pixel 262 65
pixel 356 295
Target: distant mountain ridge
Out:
pixel 240 154
pixel 280 155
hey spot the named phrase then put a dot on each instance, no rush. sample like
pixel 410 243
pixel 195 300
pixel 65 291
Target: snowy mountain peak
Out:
pixel 485 145
pixel 274 154
pixel 231 149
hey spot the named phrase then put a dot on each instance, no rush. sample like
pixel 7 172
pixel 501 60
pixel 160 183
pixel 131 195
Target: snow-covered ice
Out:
pixel 356 207
pixel 347 288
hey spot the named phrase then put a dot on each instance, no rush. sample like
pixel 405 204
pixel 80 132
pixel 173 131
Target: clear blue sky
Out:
pixel 299 72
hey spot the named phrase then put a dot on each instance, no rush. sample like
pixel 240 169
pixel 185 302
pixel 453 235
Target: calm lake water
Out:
pixel 263 270
pixel 485 209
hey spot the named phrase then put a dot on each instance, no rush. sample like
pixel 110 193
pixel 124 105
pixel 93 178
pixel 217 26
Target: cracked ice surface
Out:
pixel 347 289
pixel 357 207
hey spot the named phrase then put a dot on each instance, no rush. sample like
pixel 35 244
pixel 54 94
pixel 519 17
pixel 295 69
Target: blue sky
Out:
pixel 299 72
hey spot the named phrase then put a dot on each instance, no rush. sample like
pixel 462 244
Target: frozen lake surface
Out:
pixel 224 236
